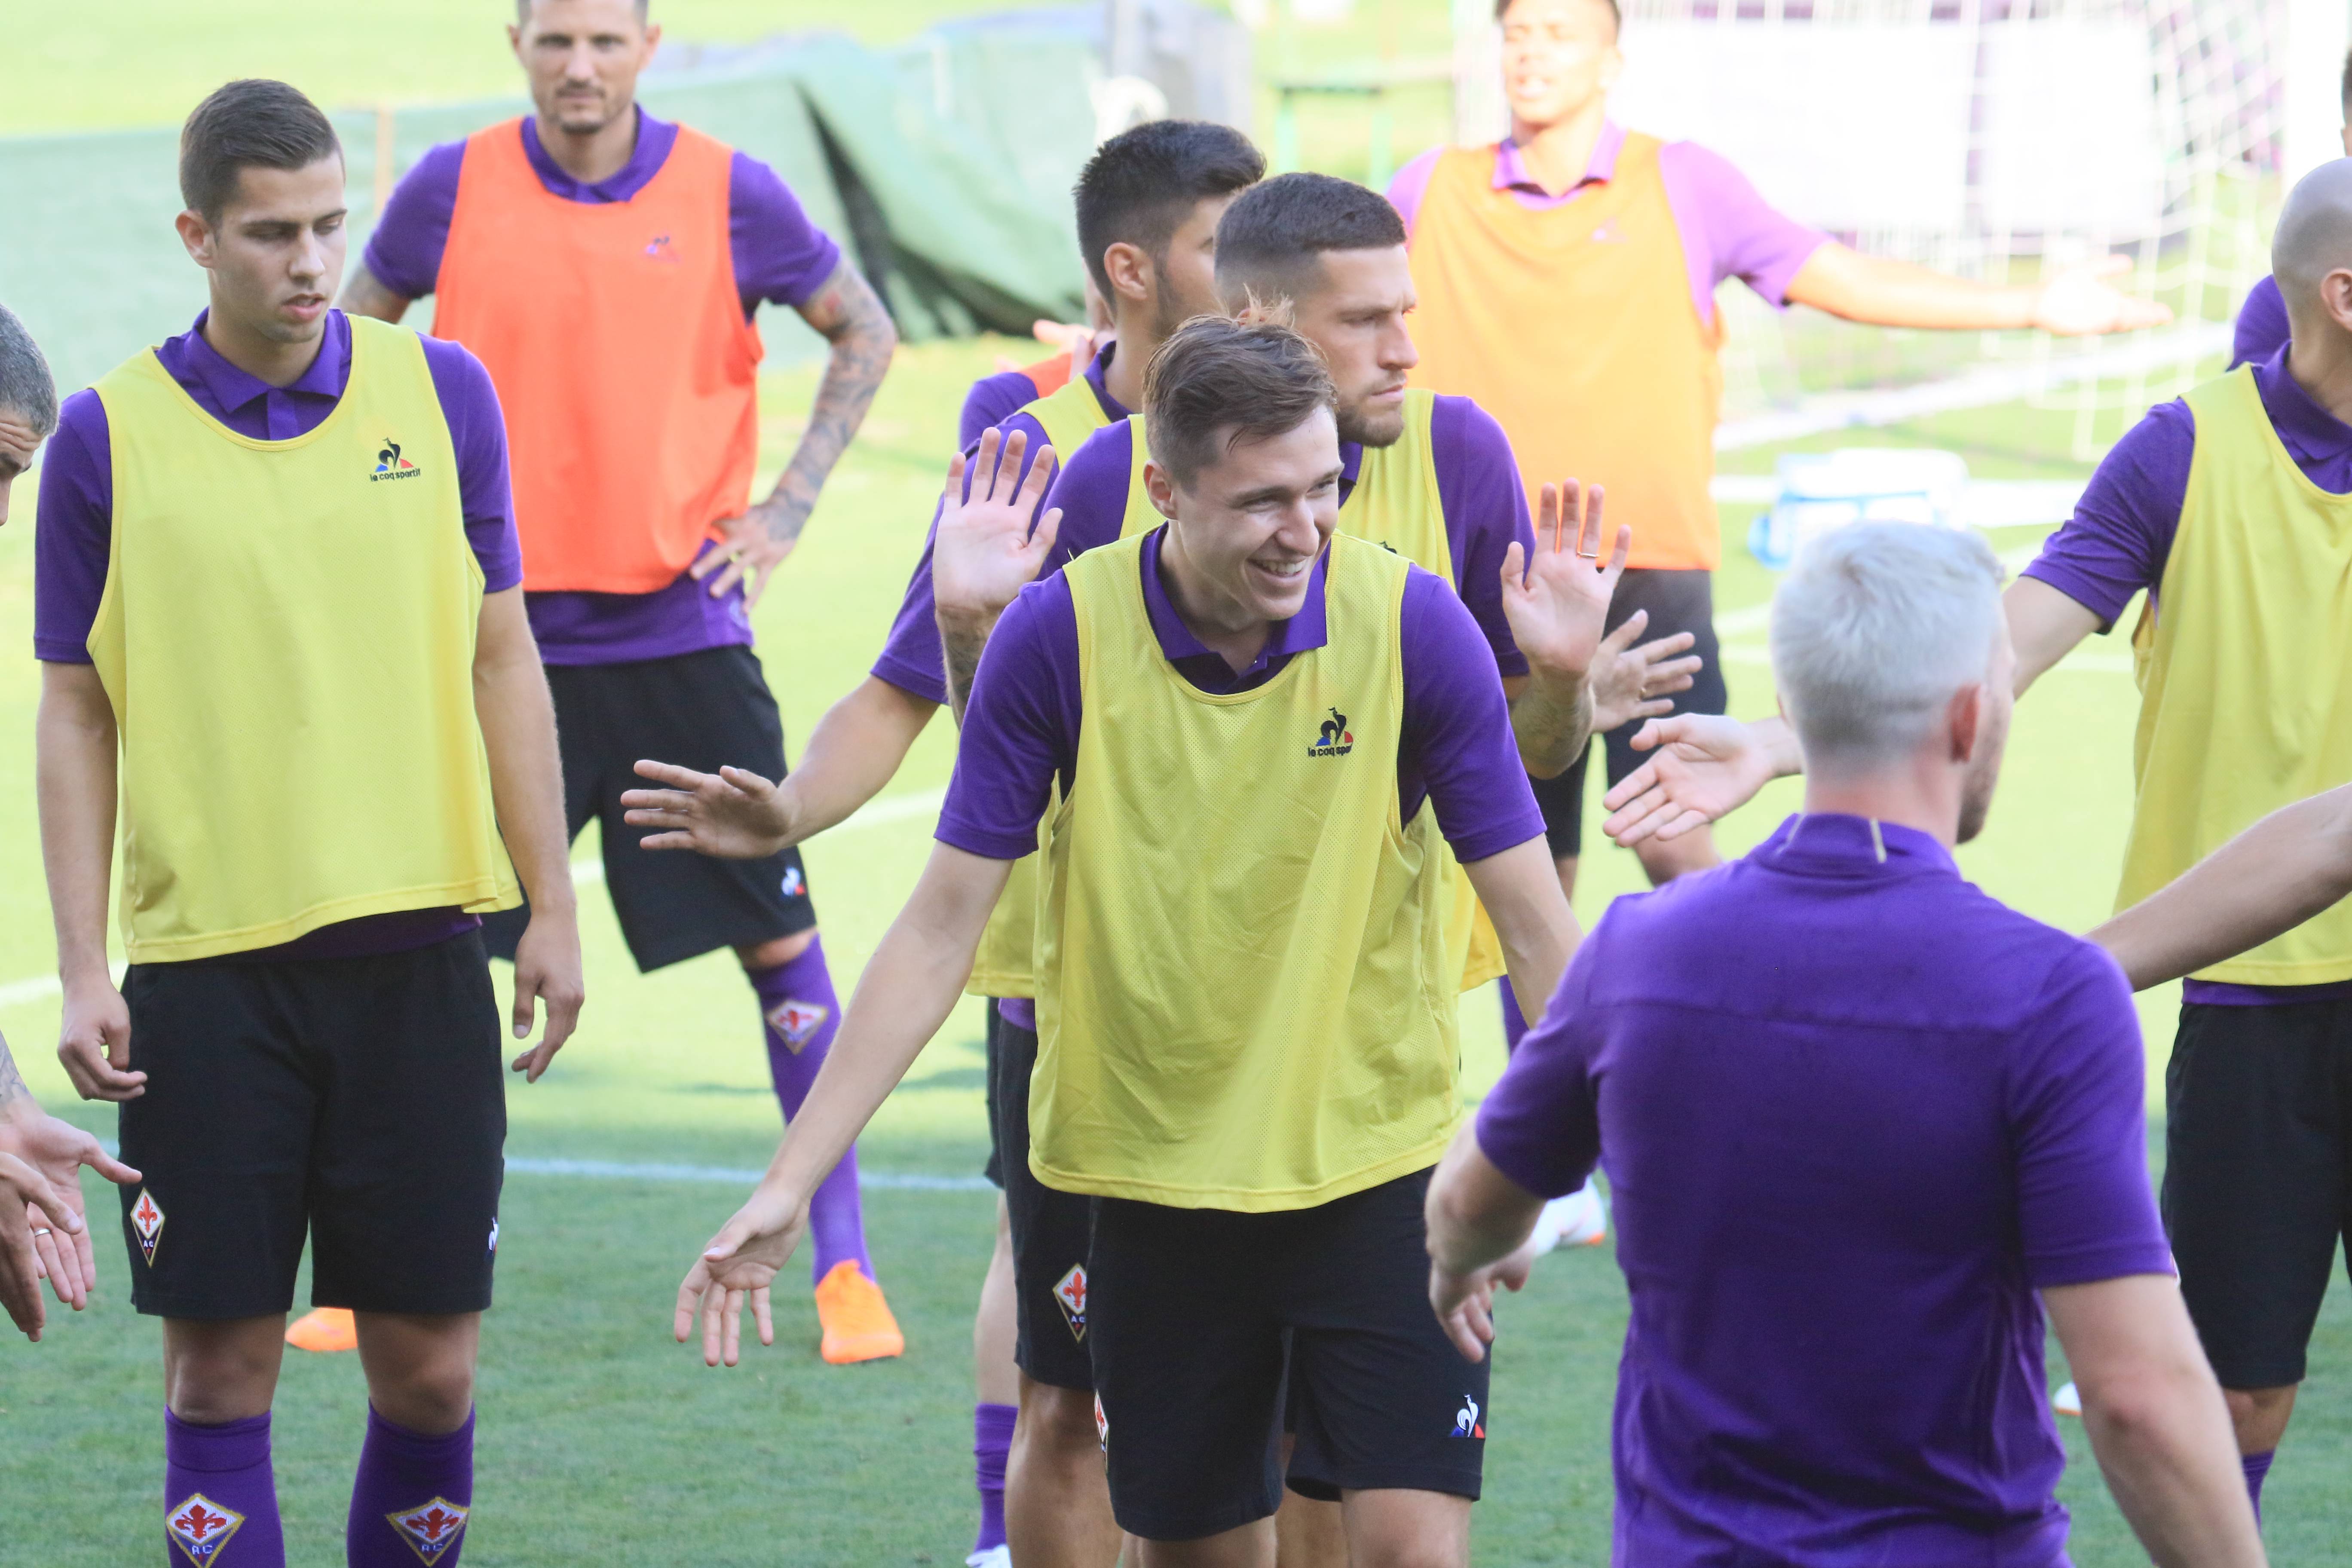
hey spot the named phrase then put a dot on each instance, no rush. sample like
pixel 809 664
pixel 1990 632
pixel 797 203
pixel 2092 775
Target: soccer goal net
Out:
pixel 1996 139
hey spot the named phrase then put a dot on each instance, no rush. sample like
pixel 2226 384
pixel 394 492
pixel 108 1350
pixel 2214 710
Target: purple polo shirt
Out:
pixel 1021 730
pixel 1728 229
pixel 911 659
pixel 74 528
pixel 778 256
pixel 2120 537
pixel 1855 1113
pixel 2262 329
pixel 993 400
pixel 1477 487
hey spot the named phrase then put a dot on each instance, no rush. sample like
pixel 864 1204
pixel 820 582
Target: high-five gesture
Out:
pixel 984 550
pixel 1632 682
pixel 1557 599
pixel 733 813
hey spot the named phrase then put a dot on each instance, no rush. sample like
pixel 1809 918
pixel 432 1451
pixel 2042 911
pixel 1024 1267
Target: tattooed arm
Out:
pixel 16 1099
pixel 366 295
pixel 850 315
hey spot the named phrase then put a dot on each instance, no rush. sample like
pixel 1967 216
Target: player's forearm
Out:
pixel 1520 891
pixel 17 1102
pixel 1551 719
pixel 852 319
pixel 852 754
pixel 1888 293
pixel 963 638
pixel 1778 743
pixel 75 742
pixel 365 295
pixel 2267 880
pixel 1475 1215
pixel 518 722
pixel 2167 1453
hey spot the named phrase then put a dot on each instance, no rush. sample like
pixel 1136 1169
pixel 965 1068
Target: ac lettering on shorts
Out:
pixel 1466 1420
pixel 431 1529
pixel 798 1021
pixel 201 1526
pixel 1334 739
pixel 147 1219
pixel 1070 1295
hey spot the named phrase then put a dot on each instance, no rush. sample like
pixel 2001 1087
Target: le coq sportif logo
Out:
pixel 391 465
pixel 1333 738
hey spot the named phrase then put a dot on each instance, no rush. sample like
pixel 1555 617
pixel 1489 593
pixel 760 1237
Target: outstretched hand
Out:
pixel 1632 682
pixel 1465 1303
pixel 1556 599
pixel 1706 765
pixel 53 1151
pixel 31 1215
pixel 733 813
pixel 741 1261
pixel 2082 300
pixel 984 549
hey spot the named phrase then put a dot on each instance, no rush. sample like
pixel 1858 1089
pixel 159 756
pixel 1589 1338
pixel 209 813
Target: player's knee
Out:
pixel 1059 1421
pixel 772 955
pixel 433 1394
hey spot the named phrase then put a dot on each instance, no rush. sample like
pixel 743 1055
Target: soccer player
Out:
pixel 2262 329
pixel 1838 1026
pixel 1148 207
pixel 1245 991
pixel 1566 278
pixel 2233 509
pixel 605 266
pixel 276 604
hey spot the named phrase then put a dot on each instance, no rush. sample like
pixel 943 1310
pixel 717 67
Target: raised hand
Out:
pixel 1465 1303
pixel 741 1261
pixel 1706 765
pixel 1556 600
pixel 55 1150
pixel 984 550
pixel 733 813
pixel 1632 682
pixel 2080 301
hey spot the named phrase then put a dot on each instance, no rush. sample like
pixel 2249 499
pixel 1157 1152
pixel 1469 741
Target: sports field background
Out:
pixel 600 1440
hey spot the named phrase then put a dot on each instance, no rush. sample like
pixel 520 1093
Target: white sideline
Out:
pixel 883 1181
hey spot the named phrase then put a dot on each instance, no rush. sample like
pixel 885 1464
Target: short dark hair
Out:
pixel 2343 93
pixel 522 11
pixel 1217 380
pixel 1272 234
pixel 255 124
pixel 1616 12
pixel 1141 185
pixel 26 388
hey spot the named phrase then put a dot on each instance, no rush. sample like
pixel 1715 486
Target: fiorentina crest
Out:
pixel 798 1022
pixel 1070 1295
pixel 430 1529
pixel 148 1221
pixel 200 1527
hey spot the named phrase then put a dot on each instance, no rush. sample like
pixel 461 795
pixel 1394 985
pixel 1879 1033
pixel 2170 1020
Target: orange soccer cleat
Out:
pixel 324 1330
pixel 857 1321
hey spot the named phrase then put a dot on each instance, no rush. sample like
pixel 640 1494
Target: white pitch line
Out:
pixel 893 1180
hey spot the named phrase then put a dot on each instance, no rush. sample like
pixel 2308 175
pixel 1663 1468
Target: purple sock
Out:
pixel 802 1013
pixel 2257 1467
pixel 218 1491
pixel 992 1440
pixel 1514 1023
pixel 411 1497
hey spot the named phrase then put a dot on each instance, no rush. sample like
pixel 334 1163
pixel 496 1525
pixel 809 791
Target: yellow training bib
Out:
pixel 286 636
pixel 1246 998
pixel 2244 704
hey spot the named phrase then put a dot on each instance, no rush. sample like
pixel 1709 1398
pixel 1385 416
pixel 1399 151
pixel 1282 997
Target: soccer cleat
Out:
pixel 998 1556
pixel 2067 1401
pixel 324 1330
pixel 1580 1219
pixel 856 1319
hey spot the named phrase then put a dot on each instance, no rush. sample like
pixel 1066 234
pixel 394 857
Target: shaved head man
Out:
pixel 28 402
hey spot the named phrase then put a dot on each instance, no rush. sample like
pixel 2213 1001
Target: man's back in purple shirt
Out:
pixel 1855 1113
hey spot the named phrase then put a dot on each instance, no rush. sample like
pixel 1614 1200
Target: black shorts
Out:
pixel 699 710
pixel 1200 1310
pixel 2257 1177
pixel 359 1099
pixel 1051 1230
pixel 1677 600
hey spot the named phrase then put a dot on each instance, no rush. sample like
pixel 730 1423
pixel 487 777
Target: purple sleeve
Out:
pixel 1020 728
pixel 1485 509
pixel 1410 184
pixel 993 400
pixel 780 256
pixel 1457 726
pixel 73 531
pixel 478 430
pixel 1728 229
pixel 2078 1121
pixel 405 251
pixel 2121 533
pixel 1541 1126
pixel 2261 325
pixel 1091 491
pixel 911 659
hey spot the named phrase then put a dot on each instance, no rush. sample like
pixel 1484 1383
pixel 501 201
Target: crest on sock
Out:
pixel 147 1219
pixel 430 1529
pixel 798 1021
pixel 200 1527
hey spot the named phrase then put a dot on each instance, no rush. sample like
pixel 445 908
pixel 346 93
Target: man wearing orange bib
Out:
pixel 605 266
pixel 1566 278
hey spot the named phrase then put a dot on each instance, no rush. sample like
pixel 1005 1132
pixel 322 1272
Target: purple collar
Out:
pixel 1511 172
pixel 222 389
pixel 655 138
pixel 1207 669
pixel 2307 431
pixel 1096 368
pixel 1832 844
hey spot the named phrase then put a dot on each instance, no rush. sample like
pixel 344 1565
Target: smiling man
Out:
pixel 1264 736
pixel 275 603
pixel 606 265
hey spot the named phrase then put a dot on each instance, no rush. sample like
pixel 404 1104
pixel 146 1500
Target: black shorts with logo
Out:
pixel 1678 601
pixel 1204 1317
pixel 699 711
pixel 2257 1177
pixel 360 1100
pixel 1051 1230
